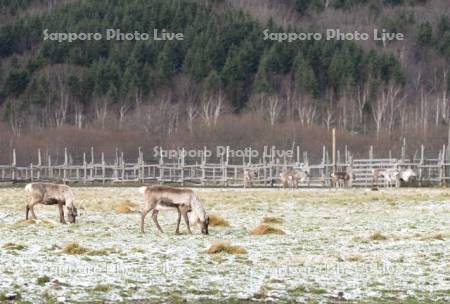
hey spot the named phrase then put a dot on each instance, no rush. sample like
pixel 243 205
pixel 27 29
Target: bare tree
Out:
pixel 123 109
pixel 212 106
pixel 306 110
pixel 384 107
pixel 379 110
pixel 274 108
pixel 78 115
pixel 101 105
pixel 15 116
pixel 192 113
pixel 362 98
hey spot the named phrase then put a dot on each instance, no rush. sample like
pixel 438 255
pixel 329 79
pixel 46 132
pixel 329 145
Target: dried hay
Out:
pixel 13 246
pixel 216 220
pixel 266 229
pixel 44 221
pixel 272 220
pixel 377 236
pixel 75 248
pixel 227 248
pixel 127 207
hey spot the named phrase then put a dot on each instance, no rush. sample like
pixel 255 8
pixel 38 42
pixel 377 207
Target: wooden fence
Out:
pixel 224 173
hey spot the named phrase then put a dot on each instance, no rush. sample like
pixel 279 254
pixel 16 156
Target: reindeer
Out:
pixel 391 176
pixel 341 179
pixel 290 178
pixel 407 174
pixel 183 200
pixel 249 176
pixel 51 194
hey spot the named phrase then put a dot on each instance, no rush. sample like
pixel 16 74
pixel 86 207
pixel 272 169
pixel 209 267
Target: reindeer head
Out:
pixel 72 214
pixel 205 225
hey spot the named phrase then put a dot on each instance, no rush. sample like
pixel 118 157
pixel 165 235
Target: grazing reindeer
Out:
pixel 341 179
pixel 51 194
pixel 391 176
pixel 249 176
pixel 291 178
pixel 183 200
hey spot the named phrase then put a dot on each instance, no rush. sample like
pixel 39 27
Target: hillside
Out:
pixel 224 67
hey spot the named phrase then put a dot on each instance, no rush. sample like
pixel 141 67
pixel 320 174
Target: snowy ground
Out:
pixel 327 254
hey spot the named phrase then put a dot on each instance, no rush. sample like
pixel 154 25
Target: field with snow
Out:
pixel 358 245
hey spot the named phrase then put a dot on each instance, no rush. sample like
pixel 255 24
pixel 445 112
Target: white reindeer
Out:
pixel 51 194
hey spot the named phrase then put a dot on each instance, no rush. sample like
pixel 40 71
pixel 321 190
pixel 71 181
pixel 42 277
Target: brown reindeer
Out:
pixel 249 176
pixel 183 200
pixel 290 178
pixel 51 194
pixel 340 179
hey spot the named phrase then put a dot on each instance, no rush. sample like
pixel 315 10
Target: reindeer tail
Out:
pixel 28 188
pixel 142 189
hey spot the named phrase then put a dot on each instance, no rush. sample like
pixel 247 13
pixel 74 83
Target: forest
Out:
pixel 223 83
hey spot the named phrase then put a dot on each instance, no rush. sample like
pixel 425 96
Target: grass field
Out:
pixel 358 245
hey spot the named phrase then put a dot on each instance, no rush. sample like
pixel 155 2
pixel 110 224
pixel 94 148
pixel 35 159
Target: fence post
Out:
pixel 13 166
pixel 116 165
pixel 182 166
pixel 323 165
pixel 333 149
pixel 92 164
pixel 422 162
pixel 66 163
pixel 442 166
pixel 122 164
pixel 403 150
pixel 50 168
pixel 84 168
pixel 39 164
pixel 103 168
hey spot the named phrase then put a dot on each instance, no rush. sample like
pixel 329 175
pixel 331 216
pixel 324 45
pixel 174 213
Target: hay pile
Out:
pixel 377 236
pixel 43 221
pixel 126 207
pixel 266 229
pixel 14 246
pixel 227 248
pixel 436 236
pixel 272 220
pixel 75 249
pixel 215 221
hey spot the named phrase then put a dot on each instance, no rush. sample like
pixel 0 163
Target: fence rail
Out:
pixel 430 171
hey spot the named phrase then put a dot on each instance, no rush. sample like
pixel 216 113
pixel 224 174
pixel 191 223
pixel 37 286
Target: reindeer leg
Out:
pixel 177 231
pixel 186 219
pixel 155 219
pixel 144 213
pixel 31 206
pixel 62 220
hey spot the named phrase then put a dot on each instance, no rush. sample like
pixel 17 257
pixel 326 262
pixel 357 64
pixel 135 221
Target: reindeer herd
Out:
pixel 291 178
pixel 185 201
